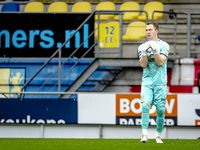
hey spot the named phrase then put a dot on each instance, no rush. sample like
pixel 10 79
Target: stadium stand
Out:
pixel 58 7
pixel 128 16
pixel 10 7
pixel 81 7
pixel 135 31
pixel 166 35
pixel 149 8
pixel 105 6
pixel 34 7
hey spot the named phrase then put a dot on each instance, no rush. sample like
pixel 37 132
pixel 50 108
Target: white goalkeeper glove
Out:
pixel 154 45
pixel 145 48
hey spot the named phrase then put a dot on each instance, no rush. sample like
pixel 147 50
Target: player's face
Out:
pixel 151 32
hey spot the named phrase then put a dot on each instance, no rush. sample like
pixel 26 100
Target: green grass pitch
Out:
pixel 95 144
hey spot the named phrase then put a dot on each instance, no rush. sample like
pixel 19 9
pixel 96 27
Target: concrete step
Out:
pixel 179 36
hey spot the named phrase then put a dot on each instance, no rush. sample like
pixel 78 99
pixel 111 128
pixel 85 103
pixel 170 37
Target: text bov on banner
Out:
pixel 41 34
pixel 38 111
pixel 129 110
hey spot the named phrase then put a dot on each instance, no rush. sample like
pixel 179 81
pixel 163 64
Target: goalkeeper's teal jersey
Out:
pixel 152 74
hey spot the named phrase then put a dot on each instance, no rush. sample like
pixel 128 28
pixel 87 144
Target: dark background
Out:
pixel 57 23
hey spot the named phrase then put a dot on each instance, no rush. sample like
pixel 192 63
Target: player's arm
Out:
pixel 143 61
pixel 160 59
pixel 143 58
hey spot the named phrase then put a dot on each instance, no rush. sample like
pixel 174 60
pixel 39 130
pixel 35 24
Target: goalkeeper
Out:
pixel 153 58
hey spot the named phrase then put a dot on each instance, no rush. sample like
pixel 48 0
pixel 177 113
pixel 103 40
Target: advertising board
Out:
pixel 41 34
pixel 38 111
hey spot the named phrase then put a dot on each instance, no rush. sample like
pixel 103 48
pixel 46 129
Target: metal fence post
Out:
pixel 188 34
pixel 175 36
pixel 98 49
pixel 120 33
pixel 59 72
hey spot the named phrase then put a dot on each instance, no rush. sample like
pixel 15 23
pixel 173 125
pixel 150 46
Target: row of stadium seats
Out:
pixel 90 0
pixel 128 16
pixel 86 7
pixel 53 7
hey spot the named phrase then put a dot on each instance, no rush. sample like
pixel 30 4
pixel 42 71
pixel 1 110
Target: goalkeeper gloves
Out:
pixel 145 47
pixel 155 47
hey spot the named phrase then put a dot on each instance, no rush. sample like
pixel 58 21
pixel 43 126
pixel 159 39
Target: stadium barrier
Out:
pixel 102 115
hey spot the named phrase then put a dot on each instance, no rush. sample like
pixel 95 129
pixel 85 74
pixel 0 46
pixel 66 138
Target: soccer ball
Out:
pixel 150 52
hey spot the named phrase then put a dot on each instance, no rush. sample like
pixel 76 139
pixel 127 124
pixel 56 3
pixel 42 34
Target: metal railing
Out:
pixel 59 51
pixel 189 21
pixel 59 69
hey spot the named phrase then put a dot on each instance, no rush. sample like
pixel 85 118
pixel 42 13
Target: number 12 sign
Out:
pixel 109 35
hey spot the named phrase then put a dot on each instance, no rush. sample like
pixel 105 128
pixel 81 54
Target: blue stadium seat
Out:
pixel 12 6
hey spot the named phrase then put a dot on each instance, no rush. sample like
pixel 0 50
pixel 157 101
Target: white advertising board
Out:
pixel 96 108
pixel 125 109
pixel 189 109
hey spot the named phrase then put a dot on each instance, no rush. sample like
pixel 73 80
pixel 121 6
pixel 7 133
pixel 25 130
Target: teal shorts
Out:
pixel 153 94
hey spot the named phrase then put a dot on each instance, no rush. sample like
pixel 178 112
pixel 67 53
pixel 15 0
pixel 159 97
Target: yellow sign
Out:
pixel 11 80
pixel 109 35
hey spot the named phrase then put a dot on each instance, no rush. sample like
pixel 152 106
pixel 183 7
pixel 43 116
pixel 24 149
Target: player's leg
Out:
pixel 160 101
pixel 160 109
pixel 145 121
pixel 145 116
pixel 146 100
